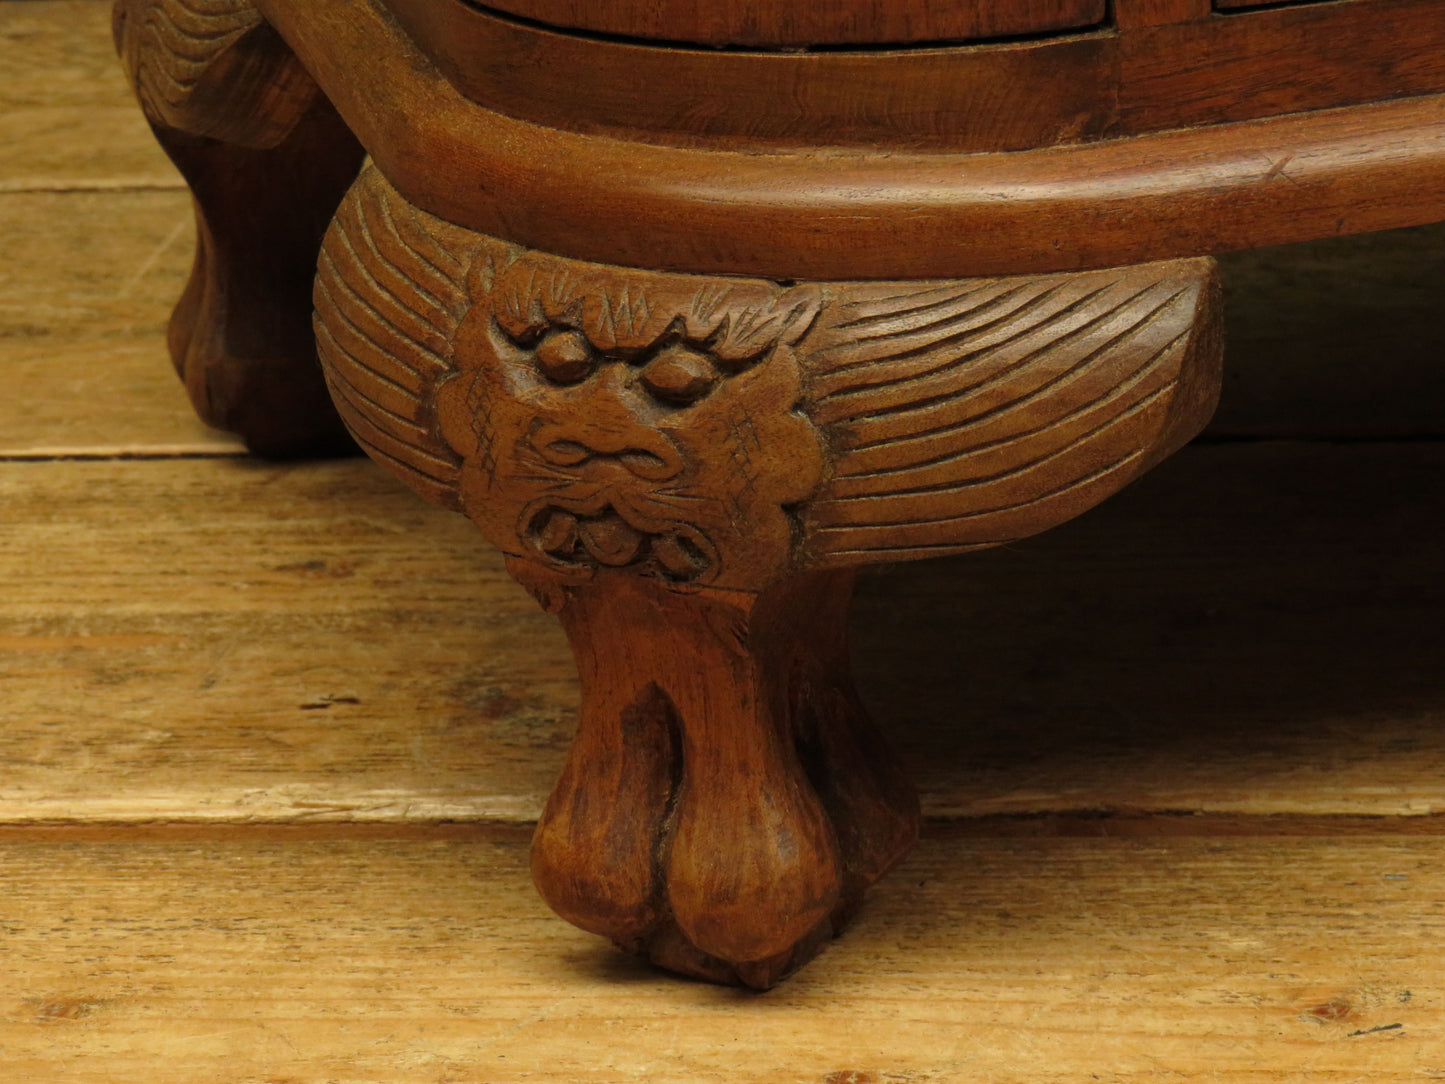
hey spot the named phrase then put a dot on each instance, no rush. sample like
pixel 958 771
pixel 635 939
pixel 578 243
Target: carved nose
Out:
pixel 643 452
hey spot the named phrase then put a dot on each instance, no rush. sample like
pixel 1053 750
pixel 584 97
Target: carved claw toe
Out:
pixel 721 811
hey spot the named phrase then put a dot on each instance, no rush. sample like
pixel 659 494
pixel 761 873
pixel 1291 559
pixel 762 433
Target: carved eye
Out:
pixel 566 357
pixel 679 375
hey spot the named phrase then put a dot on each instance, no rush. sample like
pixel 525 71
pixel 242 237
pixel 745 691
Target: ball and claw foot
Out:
pixel 726 801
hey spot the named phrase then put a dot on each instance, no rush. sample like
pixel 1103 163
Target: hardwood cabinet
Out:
pixel 694 310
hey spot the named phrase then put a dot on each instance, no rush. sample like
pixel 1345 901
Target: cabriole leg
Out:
pixel 686 469
pixel 267 160
pixel 726 800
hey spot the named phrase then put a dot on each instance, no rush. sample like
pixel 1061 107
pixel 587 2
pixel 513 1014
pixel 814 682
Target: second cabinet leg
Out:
pixel 267 160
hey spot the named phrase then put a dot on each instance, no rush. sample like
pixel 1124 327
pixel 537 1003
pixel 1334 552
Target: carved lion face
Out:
pixel 610 418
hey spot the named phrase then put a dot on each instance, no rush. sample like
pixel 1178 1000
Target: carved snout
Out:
pixel 645 453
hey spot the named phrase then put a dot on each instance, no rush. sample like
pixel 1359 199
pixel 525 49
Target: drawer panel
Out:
pixel 1280 59
pixel 796 23
pixel 1245 5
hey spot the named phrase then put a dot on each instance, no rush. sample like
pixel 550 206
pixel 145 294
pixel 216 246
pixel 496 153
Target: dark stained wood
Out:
pixel 1129 14
pixel 725 432
pixel 1001 97
pixel 1280 60
pixel 240 336
pixel 774 23
pixel 1172 66
pixel 686 466
pixel 726 800
pixel 856 214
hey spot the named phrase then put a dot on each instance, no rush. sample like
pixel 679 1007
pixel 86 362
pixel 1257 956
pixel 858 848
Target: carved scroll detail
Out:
pixel 212 68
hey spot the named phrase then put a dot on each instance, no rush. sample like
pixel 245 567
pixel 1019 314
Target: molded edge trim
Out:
pixel 850 214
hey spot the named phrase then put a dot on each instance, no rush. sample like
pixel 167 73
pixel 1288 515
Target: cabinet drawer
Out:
pixel 1245 5
pixel 797 23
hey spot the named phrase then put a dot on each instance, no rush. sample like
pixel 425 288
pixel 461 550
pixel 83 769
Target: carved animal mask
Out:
pixel 610 418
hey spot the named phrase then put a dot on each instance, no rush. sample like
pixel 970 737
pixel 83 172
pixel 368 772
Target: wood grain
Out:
pixel 218 683
pixel 410 962
pixel 1333 338
pixel 1099 654
pixel 1129 14
pixel 98 384
pixel 87 279
pixel 724 432
pixel 233 946
pixel 668 460
pixel 83 303
pixel 267 160
pixel 148 650
pixel 1286 58
pixel 1004 97
pixel 67 118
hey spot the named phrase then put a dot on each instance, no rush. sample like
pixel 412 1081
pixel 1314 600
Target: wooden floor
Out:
pixel 272 735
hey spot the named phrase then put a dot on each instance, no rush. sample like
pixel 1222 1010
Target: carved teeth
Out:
pixel 558 533
pixel 679 556
pixel 611 540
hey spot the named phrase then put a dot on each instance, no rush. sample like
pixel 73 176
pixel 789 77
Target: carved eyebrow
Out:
pixel 620 318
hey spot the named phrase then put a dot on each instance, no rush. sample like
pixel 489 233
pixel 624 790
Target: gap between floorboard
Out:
pixel 103 454
pixel 1076 824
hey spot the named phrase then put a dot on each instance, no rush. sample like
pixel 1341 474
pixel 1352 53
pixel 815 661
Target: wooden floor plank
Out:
pixel 96 237
pixel 67 118
pixel 1253 630
pixel 86 284
pixel 237 702
pixel 980 961
pixel 1333 338
pixel 223 639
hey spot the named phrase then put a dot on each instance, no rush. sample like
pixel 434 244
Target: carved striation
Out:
pixel 390 294
pixel 212 68
pixel 178 41
pixel 722 431
pixel 972 414
pixel 680 466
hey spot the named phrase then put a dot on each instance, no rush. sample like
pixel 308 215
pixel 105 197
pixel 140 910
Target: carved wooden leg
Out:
pixel 686 470
pixel 726 800
pixel 267 160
